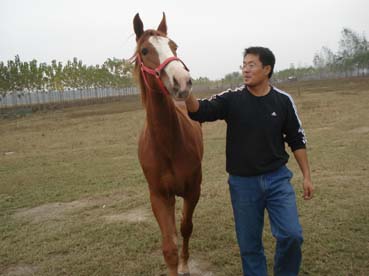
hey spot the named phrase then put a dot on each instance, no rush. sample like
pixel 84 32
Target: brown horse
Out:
pixel 170 147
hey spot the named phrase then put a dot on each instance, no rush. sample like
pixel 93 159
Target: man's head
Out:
pixel 258 65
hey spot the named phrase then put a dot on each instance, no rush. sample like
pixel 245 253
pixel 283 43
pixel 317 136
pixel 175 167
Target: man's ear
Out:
pixel 267 69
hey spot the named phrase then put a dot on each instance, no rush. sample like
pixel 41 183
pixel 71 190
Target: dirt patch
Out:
pixel 199 268
pixel 135 215
pixel 50 211
pixel 322 128
pixel 58 210
pixel 20 270
pixel 196 265
pixel 340 178
pixel 360 130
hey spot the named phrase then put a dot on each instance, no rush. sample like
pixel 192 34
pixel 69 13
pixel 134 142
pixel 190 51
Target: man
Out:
pixel 260 119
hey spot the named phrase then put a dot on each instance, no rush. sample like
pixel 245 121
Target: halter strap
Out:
pixel 156 72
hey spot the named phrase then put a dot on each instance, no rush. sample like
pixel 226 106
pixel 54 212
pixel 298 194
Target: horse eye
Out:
pixel 144 51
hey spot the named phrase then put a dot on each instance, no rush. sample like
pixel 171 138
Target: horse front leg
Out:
pixel 164 211
pixel 189 204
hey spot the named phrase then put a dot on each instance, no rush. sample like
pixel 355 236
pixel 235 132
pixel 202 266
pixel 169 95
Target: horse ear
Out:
pixel 138 26
pixel 163 25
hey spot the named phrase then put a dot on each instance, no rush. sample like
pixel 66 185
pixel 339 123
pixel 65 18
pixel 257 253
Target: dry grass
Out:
pixel 73 200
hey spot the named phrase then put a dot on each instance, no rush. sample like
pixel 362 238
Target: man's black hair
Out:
pixel 266 56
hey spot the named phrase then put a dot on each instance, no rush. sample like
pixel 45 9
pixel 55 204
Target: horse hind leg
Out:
pixel 189 204
pixel 164 211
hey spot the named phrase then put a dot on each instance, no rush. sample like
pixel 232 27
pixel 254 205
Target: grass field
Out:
pixel 73 200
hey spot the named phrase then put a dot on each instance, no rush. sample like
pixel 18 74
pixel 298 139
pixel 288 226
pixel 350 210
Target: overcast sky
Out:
pixel 211 34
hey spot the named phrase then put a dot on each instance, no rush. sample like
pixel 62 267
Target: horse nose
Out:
pixel 182 83
pixel 175 84
pixel 183 95
pixel 189 83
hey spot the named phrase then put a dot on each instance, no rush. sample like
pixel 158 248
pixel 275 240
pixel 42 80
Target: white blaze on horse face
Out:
pixel 175 69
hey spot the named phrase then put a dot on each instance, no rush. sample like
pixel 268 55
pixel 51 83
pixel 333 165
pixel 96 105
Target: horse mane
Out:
pixel 136 71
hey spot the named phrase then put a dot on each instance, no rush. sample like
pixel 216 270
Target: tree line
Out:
pixel 22 76
pixel 351 59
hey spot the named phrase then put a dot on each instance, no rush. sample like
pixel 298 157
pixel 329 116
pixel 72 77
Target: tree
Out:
pixel 353 51
pixel 4 79
pixel 234 78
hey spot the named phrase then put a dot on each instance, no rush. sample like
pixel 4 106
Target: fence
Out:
pixel 92 95
pixel 58 97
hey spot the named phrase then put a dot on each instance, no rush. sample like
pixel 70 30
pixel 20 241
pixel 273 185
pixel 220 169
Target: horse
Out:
pixel 170 146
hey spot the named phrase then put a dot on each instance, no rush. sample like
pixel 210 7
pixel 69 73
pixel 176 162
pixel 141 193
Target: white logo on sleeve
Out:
pixel 274 114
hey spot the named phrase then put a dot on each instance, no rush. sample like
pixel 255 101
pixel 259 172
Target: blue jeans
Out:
pixel 250 196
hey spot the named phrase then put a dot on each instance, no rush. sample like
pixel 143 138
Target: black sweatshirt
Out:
pixel 257 128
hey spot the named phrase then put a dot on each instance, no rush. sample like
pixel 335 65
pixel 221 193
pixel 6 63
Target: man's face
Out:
pixel 253 71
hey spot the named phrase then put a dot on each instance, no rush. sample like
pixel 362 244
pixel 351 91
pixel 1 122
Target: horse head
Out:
pixel 157 64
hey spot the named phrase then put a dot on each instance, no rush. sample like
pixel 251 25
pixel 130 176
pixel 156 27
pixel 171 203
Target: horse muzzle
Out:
pixel 181 89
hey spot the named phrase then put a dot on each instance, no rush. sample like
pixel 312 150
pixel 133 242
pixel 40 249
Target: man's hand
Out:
pixel 192 103
pixel 308 189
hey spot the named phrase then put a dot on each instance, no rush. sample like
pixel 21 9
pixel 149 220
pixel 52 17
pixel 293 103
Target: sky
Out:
pixel 211 34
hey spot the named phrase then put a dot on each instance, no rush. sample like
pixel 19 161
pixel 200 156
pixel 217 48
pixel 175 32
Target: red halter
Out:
pixel 156 72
